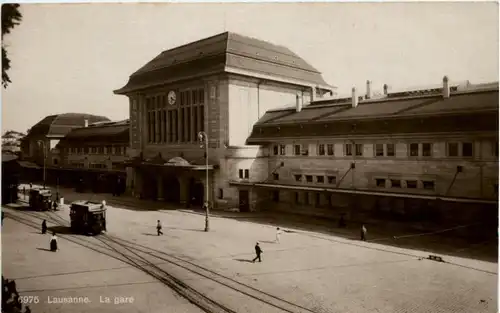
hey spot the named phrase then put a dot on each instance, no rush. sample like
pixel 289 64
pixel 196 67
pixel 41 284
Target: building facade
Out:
pixel 413 154
pixel 96 154
pixel 220 86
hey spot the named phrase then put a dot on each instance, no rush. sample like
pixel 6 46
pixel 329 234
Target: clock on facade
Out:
pixel 171 97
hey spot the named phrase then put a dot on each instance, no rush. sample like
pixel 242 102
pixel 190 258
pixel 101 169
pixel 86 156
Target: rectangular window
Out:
pixel 276 196
pixel 317 201
pixel 175 126
pixel 426 149
pixel 298 177
pixel 411 184
pixel 296 150
pixel 282 149
pixel 321 149
pixel 380 182
pixel 413 149
pixel 109 150
pixel 332 180
pixel 320 179
pixel 276 176
pixel 309 178
pixel 221 193
pixel 348 149
pixel 195 123
pixel 240 172
pixel 188 124
pixel 390 149
pixel 202 117
pixel 330 149
pixel 379 149
pixel 275 150
pixel 429 185
pixel 195 96
pixel 467 149
pixel 247 174
pixel 359 149
pixel 297 200
pixel 100 150
pixel 306 198
pixel 201 96
pixel 395 183
pixel 181 122
pixel 452 149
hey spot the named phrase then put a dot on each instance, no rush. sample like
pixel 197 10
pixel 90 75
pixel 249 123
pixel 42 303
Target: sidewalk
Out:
pixel 381 232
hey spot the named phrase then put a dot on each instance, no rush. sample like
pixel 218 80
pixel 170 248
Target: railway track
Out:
pixel 241 297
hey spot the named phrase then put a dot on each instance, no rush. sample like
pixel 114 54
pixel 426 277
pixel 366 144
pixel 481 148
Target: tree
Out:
pixel 11 17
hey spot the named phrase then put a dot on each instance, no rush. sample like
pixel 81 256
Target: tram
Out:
pixel 88 217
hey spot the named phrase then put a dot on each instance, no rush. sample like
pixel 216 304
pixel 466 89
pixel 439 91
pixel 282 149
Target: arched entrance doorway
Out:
pixel 171 189
pixel 149 188
pixel 196 192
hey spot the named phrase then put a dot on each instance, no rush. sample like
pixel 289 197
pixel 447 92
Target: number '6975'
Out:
pixel 29 299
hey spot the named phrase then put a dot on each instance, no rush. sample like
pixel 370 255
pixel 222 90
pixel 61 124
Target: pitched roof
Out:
pixel 108 131
pixel 60 124
pixel 217 54
pixel 459 112
pixel 386 107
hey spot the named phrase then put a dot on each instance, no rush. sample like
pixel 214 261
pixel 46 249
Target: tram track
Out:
pixel 142 258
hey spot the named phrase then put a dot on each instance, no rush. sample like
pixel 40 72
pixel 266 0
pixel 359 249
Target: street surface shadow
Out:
pixel 382 232
pixel 244 260
pixel 44 249
pixel 63 230
pixel 267 241
pixel 188 229
pixel 149 234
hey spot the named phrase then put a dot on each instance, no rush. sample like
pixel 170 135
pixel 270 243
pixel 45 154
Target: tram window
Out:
pixel 309 178
pixel 380 182
pixel 332 180
pixel 298 177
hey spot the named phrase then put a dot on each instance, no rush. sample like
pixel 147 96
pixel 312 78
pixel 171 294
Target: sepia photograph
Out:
pixel 250 157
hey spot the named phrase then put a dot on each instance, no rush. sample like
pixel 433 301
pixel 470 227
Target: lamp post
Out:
pixel 40 142
pixel 203 138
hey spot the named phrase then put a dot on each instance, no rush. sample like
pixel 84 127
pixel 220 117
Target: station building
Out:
pixel 39 146
pixel 416 154
pixel 96 155
pixel 221 85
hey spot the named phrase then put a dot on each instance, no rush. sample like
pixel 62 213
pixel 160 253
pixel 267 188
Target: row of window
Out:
pixel 176 123
pixel 116 150
pixel 400 183
pixel 453 149
pixel 244 174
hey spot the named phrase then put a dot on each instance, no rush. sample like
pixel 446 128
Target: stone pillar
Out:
pixel 160 188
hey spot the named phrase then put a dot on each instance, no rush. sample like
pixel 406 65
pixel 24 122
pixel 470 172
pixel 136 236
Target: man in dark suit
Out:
pixel 258 251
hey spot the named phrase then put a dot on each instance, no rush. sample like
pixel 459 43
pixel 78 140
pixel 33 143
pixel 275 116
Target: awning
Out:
pixel 28 164
pixel 176 162
pixel 364 192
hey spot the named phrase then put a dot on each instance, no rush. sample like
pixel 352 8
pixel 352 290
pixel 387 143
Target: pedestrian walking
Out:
pixel 24 192
pixel 44 227
pixel 53 242
pixel 278 234
pixel 363 233
pixel 158 228
pixel 54 205
pixel 258 252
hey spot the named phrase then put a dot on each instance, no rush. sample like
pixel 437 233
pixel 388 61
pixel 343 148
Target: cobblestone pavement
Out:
pixel 323 273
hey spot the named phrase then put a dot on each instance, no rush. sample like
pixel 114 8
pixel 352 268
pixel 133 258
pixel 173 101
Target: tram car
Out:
pixel 40 199
pixel 88 217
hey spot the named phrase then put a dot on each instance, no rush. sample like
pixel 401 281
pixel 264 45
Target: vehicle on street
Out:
pixel 40 199
pixel 88 217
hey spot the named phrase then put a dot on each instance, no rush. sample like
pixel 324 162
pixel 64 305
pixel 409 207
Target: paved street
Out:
pixel 319 272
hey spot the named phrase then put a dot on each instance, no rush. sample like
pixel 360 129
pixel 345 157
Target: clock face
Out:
pixel 171 97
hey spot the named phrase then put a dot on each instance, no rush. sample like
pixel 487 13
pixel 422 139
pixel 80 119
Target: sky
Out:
pixel 70 57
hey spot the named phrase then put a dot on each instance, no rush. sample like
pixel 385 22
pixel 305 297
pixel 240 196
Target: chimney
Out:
pixel 86 123
pixel 354 97
pixel 386 89
pixel 298 102
pixel 368 89
pixel 446 87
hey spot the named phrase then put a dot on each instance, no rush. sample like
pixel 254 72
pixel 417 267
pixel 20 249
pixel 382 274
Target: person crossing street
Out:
pixel 158 228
